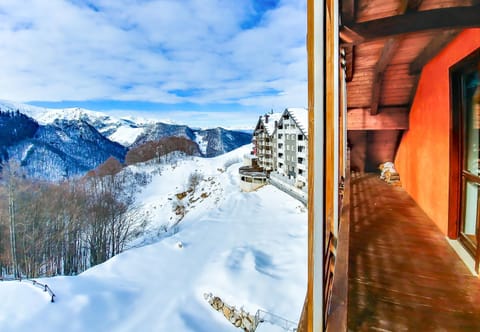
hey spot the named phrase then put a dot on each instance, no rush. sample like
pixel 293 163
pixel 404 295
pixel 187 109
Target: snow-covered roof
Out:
pixel 270 123
pixel 300 116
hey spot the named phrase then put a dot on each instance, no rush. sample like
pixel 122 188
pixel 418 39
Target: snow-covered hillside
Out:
pixel 248 248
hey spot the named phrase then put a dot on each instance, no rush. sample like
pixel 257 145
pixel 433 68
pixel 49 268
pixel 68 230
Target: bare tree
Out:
pixel 11 175
pixel 194 180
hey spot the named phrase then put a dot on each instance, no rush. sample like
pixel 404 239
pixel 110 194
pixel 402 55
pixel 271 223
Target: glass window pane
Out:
pixel 472 98
pixel 470 219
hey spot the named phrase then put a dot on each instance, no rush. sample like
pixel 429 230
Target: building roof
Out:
pixel 300 116
pixel 268 121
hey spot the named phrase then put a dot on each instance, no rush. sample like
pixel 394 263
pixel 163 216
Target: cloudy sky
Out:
pixel 200 62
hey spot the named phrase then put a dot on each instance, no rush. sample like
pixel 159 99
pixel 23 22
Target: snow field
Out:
pixel 248 248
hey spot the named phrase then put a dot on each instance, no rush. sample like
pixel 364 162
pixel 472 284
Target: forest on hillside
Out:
pixel 63 228
pixel 49 229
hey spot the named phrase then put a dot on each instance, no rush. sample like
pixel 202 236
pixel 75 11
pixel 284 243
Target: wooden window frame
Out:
pixel 457 153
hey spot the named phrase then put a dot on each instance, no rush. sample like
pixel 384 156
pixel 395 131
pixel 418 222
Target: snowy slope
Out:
pixel 248 248
pixel 201 140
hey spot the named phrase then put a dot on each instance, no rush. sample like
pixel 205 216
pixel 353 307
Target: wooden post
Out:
pixel 314 309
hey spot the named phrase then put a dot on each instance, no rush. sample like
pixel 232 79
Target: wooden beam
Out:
pixel 388 51
pixel 434 46
pixel 347 9
pixel 349 57
pixel 386 56
pixel 348 36
pixel 413 90
pixel 434 19
pixel 390 118
pixel 413 5
pixel 376 90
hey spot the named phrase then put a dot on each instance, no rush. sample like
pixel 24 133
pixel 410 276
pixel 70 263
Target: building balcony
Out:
pixel 302 155
pixel 251 178
pixel 302 142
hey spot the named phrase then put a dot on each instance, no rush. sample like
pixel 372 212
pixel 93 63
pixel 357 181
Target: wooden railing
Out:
pixel 329 270
pixel 336 310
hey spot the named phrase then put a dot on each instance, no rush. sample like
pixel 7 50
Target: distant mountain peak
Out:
pixel 67 142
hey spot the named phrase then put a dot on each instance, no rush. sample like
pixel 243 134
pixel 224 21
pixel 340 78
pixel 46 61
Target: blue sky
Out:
pixel 199 62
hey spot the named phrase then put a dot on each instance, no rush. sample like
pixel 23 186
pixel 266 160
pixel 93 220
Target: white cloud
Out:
pixel 142 50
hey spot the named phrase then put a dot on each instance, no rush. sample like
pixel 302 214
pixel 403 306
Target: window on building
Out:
pixel 280 136
pixel 300 160
pixel 300 148
pixel 300 137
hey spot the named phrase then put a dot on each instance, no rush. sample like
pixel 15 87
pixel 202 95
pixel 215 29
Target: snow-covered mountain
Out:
pixel 120 130
pixel 157 131
pixel 58 143
pixel 243 247
pixel 217 141
pixel 57 150
pixel 14 127
pixel 136 131
pixel 212 142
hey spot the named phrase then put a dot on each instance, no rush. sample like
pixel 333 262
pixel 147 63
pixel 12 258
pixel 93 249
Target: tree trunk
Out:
pixel 13 244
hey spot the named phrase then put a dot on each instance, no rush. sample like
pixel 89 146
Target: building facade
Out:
pixel 292 144
pixel 280 144
pixel 263 140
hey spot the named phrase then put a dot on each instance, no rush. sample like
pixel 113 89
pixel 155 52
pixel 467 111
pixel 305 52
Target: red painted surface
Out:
pixel 423 155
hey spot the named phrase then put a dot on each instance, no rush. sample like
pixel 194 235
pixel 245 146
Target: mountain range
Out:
pixel 56 144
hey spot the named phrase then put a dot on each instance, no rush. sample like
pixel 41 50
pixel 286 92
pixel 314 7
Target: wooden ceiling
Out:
pixel 387 43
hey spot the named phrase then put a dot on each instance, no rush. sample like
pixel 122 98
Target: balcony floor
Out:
pixel 403 275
